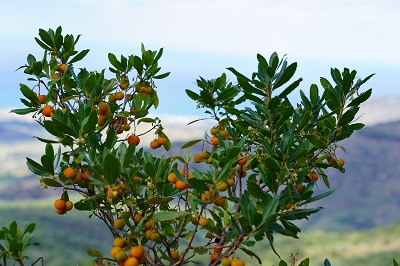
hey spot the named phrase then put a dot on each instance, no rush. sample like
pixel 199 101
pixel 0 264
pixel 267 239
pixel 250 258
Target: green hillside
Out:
pixel 63 239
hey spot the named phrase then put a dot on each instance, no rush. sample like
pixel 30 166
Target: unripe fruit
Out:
pixel 119 242
pixel 341 162
pixel 222 186
pixel 155 236
pixel 137 218
pixel 214 131
pixel 68 206
pixel 121 255
pixel 112 98
pixel 197 158
pixel 126 127
pixel 204 155
pixel 124 85
pixel 226 262
pixel 147 90
pixel 194 220
pixel 133 138
pixel 150 224
pixel 148 233
pixel 203 221
pixel 224 133
pixel 119 224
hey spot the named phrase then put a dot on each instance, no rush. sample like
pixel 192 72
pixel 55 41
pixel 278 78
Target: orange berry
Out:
pixel 341 162
pixel 85 177
pixel 313 177
pixel 242 160
pixel 180 185
pixel 60 211
pixel 124 85
pixel 300 187
pixel 175 255
pixel 214 131
pixel 226 262
pixel 55 76
pixel 41 99
pixel 220 201
pixel 119 242
pixel 133 138
pixel 112 98
pixel 214 141
pixel 131 261
pixel 197 158
pixel 101 120
pixel 154 144
pixel 231 182
pixel 137 218
pixel 147 89
pixel 150 224
pixel 137 251
pixel 222 186
pixel 155 236
pixel 62 68
pixel 46 111
pixel 204 155
pixel 203 221
pixel 104 109
pixel 59 204
pixel 194 220
pixel 214 256
pixel 119 224
pixel 287 207
pixel 119 95
pixel 77 178
pixel 172 177
pixel 69 172
pixel 224 133
pixel 237 262
pixel 162 141
pixel 148 233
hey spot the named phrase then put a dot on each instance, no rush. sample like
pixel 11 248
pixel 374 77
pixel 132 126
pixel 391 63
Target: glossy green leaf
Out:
pixel 35 167
pixel 250 253
pixel 51 182
pixel 111 168
pixel 285 76
pixel 361 98
pixel 79 56
pixel 163 216
pixel 327 263
pixel 94 253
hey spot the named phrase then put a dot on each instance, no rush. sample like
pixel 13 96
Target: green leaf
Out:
pixel 37 68
pixel 51 182
pixel 82 205
pixel 35 167
pixel 286 75
pixel 316 142
pixel 362 98
pixel 395 263
pixel 94 253
pixel 327 263
pixel 114 61
pixel 255 190
pixel 197 184
pixel 247 208
pixel 42 44
pixel 79 56
pixel 305 262
pixel 251 254
pixel 190 143
pixel 161 76
pixel 290 88
pixel 111 168
pixel 47 163
pixel 321 196
pixel 270 209
pixel 129 154
pixel 44 35
pixel 137 63
pixel 163 216
pixel 282 263
pixel 24 111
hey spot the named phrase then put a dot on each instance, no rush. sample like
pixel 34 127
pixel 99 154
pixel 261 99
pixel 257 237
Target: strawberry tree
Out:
pixel 255 176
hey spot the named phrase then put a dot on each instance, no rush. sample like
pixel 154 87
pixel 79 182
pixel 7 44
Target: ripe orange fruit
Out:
pixel 214 256
pixel 222 186
pixel 119 223
pixel 175 255
pixel 180 185
pixel 137 251
pixel 150 224
pixel 154 144
pixel 68 206
pixel 133 138
pixel 119 95
pixel 341 162
pixel 104 109
pixel 60 211
pixel 220 201
pixel 112 98
pixel 237 262
pixel 62 68
pixel 147 89
pixel 124 85
pixel 207 197
pixel 137 218
pixel 172 177
pixel 287 207
pixel 114 252
pixel 162 141
pixel 242 160
pixel 69 172
pixel 214 141
pixel 148 233
pixel 300 187
pixel 84 176
pixel 59 204
pixel 131 261
pixel 46 111
pixel 313 177
pixel 101 120
pixel 231 182
pixel 119 242
pixel 203 221
pixel 77 178
pixel 197 158
pixel 226 262
pixel 41 99
pixel 55 76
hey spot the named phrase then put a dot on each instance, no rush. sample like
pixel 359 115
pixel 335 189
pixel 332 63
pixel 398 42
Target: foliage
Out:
pixel 14 242
pixel 263 158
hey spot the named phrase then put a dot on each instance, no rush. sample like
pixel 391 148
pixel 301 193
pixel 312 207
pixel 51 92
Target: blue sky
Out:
pixel 202 38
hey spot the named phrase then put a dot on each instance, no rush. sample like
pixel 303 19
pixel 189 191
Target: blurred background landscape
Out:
pixel 359 225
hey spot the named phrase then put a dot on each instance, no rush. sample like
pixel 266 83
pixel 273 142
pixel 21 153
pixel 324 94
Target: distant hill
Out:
pixel 365 197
